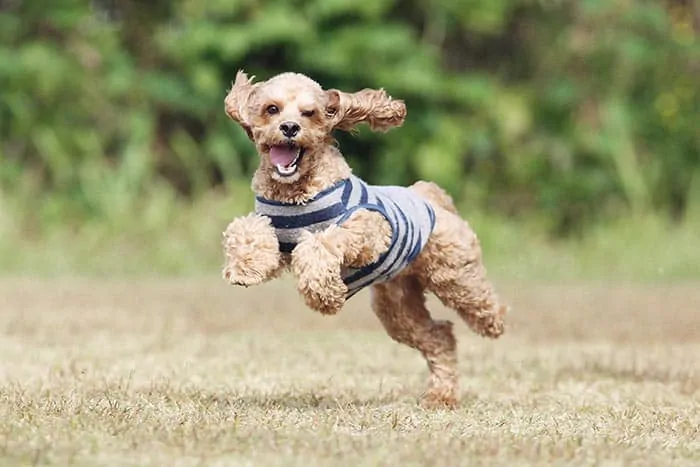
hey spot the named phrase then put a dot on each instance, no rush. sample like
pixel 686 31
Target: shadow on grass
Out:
pixel 313 401
pixel 305 401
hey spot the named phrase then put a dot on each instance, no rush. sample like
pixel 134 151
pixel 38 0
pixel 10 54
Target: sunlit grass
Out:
pixel 198 373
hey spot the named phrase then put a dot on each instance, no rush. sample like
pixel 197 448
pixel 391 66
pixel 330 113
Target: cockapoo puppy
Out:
pixel 338 234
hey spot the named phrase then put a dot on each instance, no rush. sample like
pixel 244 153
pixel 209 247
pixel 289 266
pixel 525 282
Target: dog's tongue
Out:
pixel 282 155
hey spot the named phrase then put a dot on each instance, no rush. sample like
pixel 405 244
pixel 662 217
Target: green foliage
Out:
pixel 569 111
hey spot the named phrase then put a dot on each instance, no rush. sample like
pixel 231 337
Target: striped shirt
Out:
pixel 412 221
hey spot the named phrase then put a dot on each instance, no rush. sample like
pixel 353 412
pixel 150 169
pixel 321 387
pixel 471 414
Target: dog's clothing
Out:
pixel 412 221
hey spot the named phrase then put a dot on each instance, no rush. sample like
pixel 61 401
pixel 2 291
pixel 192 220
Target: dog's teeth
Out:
pixel 286 170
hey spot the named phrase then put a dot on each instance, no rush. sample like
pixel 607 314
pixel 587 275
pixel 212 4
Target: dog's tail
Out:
pixel 435 195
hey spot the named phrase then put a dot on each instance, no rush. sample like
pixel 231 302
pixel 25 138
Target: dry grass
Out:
pixel 195 373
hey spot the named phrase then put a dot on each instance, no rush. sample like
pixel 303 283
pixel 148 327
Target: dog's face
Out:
pixel 290 118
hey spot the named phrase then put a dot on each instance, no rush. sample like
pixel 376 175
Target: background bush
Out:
pixel 573 112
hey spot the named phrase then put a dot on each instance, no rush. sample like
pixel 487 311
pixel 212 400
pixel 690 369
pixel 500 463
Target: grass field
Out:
pixel 192 372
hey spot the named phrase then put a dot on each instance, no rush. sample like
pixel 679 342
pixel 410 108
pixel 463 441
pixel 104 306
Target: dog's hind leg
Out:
pixel 452 268
pixel 400 306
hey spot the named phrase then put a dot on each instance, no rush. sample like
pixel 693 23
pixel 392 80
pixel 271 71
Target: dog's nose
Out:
pixel 289 129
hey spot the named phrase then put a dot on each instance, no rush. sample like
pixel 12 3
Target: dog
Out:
pixel 338 234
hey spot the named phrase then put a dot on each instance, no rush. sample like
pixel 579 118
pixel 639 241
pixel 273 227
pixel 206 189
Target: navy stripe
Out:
pixel 408 234
pixel 372 267
pixel 319 195
pixel 304 220
pixel 287 247
pixel 401 254
pixel 346 192
pixel 271 202
pixel 408 226
pixel 366 270
pixel 416 249
pixel 363 195
pixel 369 269
pixel 412 230
pixel 408 239
pixel 431 214
pixel 403 216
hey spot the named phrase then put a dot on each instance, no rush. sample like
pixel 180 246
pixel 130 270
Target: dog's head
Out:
pixel 290 119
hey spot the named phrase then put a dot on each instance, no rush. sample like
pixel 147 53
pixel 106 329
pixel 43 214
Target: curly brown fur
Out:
pixel 400 306
pixel 359 241
pixel 252 251
pixel 450 265
pixel 375 107
pixel 435 195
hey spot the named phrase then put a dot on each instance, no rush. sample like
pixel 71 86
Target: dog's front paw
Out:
pixel 237 275
pixel 318 276
pixel 251 250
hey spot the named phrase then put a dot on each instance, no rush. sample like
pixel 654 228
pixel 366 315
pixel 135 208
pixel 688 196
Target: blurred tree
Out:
pixel 580 110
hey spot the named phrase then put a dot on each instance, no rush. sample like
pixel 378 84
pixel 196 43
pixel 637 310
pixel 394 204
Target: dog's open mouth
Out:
pixel 286 158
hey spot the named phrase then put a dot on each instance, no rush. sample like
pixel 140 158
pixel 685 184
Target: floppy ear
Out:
pixel 375 107
pixel 237 99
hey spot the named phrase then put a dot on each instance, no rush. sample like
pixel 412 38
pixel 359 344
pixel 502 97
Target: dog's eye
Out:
pixel 272 109
pixel 307 113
